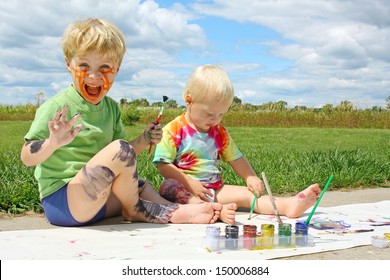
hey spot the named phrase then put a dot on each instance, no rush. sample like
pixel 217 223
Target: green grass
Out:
pixel 292 158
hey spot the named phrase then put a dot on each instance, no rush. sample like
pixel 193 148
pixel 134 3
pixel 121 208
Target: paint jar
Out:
pixel 231 237
pixel 284 232
pixel 213 234
pixel 267 236
pixel 301 233
pixel 250 233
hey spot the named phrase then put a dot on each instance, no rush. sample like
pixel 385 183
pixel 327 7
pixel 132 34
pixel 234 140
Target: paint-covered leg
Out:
pixel 173 191
pixel 155 213
pixel 97 180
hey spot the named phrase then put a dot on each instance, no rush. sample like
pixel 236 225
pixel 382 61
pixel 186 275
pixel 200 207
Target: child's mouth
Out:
pixel 92 90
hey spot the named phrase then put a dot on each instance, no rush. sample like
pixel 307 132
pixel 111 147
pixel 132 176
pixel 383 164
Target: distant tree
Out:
pixel 300 108
pixel 345 106
pixel 123 101
pixel 170 103
pixel 248 107
pixel 280 106
pixel 237 100
pixel 327 108
pixel 377 109
pixel 39 97
pixel 236 104
pixel 141 102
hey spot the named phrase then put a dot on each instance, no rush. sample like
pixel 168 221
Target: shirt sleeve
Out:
pixel 166 149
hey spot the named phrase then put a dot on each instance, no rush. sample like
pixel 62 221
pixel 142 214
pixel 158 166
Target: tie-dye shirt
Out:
pixel 197 154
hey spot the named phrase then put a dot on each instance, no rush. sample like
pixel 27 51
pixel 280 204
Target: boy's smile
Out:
pixel 93 76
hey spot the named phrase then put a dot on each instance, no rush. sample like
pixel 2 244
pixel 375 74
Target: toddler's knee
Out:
pixel 125 153
pixel 174 191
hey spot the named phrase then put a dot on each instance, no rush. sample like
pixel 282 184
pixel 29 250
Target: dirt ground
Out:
pixel 331 198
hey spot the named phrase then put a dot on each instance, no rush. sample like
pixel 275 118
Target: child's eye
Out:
pixel 105 68
pixel 83 66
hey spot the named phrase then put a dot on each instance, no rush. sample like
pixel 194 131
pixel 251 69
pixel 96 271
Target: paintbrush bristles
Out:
pixel 165 98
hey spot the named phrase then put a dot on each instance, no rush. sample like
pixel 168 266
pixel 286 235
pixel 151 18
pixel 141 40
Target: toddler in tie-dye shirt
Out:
pixel 194 143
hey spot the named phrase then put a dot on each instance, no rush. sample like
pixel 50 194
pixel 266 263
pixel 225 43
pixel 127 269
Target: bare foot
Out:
pixel 201 213
pixel 228 213
pixel 303 201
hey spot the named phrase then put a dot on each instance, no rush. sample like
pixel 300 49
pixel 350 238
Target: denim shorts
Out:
pixel 57 211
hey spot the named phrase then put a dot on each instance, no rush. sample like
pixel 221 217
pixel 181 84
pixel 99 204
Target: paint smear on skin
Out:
pixel 155 213
pixel 126 153
pixel 36 146
pixel 97 179
pixel 301 195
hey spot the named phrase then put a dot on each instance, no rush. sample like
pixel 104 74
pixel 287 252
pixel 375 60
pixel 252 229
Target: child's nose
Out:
pixel 94 74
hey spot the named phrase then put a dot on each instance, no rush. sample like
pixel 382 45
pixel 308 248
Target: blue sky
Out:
pixel 307 53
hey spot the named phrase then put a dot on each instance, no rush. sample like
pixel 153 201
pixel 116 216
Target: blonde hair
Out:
pixel 209 81
pixel 85 36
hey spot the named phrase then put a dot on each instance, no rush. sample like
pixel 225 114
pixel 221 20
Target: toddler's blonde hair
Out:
pixel 84 36
pixel 209 82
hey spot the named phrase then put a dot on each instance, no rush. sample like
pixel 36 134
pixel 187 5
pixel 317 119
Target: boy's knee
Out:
pixel 125 153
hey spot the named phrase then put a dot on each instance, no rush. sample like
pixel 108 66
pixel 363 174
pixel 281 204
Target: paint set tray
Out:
pixel 257 243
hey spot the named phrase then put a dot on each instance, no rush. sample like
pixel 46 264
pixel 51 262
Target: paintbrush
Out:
pixel 347 231
pixel 319 199
pixel 253 207
pixel 271 198
pixel 165 98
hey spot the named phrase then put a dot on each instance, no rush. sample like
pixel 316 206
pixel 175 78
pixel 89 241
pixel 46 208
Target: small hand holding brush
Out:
pixel 165 98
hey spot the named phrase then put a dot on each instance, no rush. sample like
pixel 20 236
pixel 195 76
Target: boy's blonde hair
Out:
pixel 209 82
pixel 85 36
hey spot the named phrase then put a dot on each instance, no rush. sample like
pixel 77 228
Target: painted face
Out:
pixel 202 116
pixel 92 75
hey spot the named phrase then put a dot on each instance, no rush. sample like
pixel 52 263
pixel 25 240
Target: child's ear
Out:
pixel 67 63
pixel 188 98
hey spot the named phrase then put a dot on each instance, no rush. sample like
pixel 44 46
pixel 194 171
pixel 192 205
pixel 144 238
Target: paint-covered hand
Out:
pixel 255 185
pixel 153 133
pixel 61 130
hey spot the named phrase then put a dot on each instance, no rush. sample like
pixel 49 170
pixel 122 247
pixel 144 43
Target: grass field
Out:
pixel 292 158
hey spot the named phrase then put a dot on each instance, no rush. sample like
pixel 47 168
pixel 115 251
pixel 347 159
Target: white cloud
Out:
pixel 326 40
pixel 30 35
pixel 329 51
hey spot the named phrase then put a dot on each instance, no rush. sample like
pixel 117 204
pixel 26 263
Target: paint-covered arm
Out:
pixel 242 167
pixel 36 151
pixel 151 134
pixel 62 133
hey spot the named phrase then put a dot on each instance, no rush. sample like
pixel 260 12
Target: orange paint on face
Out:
pixel 94 94
pixel 93 75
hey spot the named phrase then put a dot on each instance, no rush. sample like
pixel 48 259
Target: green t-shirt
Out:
pixel 102 124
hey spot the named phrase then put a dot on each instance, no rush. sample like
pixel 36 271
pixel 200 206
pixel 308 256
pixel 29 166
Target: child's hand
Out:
pixel 61 131
pixel 153 133
pixel 255 185
pixel 200 191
